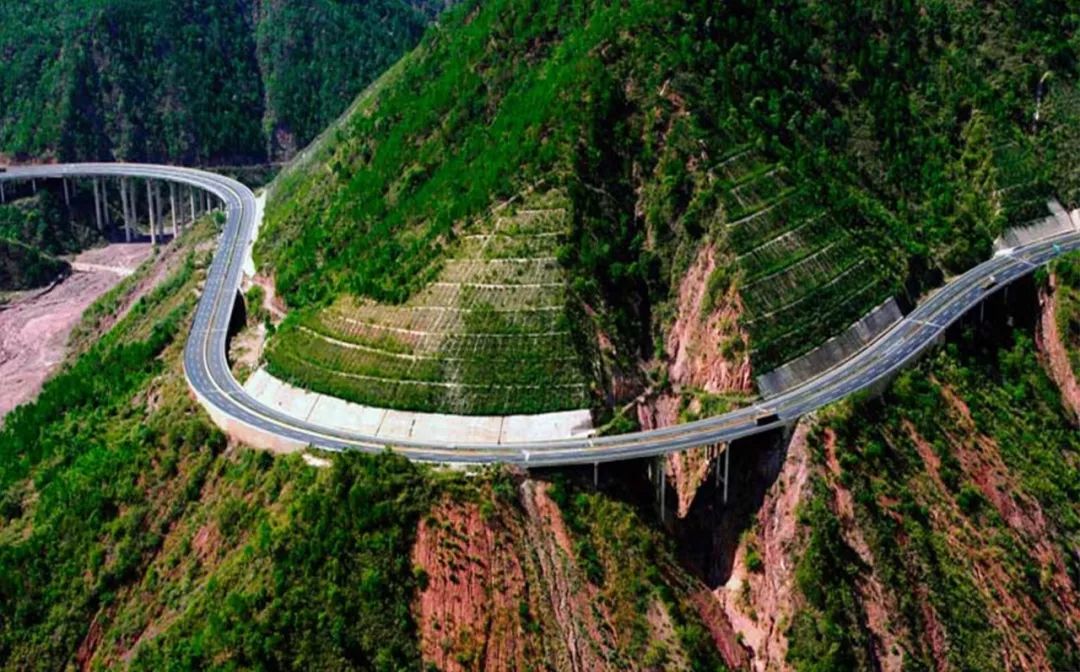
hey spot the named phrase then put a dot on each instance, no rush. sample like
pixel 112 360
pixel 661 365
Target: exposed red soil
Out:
pixel 694 349
pixel 34 328
pixel 505 592
pixel 1010 610
pixel 720 628
pixel 468 614
pixel 878 604
pixel 1051 344
pixel 85 653
pixel 760 604
pixel 696 340
pixel 980 458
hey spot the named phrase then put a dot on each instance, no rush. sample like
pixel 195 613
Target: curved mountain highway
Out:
pixel 208 373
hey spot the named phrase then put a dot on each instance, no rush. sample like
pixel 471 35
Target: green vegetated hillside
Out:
pixel 42 222
pixel 942 521
pixel 193 81
pixel 836 154
pixel 134 536
pixel 1066 295
pixel 23 267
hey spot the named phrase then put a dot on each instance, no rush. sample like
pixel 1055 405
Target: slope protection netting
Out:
pixel 491 334
pixel 802 274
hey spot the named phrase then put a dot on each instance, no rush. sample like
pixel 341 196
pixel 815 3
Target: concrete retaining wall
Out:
pixel 832 352
pixel 1057 223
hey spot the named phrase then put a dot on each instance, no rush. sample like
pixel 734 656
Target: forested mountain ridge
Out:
pixel 189 81
pixel 821 157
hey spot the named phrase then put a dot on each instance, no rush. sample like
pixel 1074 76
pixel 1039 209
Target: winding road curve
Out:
pixel 209 376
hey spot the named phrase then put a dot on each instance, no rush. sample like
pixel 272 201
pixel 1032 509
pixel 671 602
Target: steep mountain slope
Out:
pixel 192 81
pixel 133 535
pixel 826 171
pixel 933 527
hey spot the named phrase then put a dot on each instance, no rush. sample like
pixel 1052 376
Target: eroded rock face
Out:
pixel 700 355
pixel 701 334
pixel 506 590
pixel 1053 347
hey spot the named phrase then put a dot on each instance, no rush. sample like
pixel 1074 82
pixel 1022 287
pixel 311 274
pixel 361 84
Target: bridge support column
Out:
pixel 97 202
pixel 67 194
pixel 661 484
pixel 595 475
pixel 33 185
pixel 159 214
pixel 721 480
pixel 172 207
pixel 3 196
pixel 191 199
pixel 105 203
pixel 126 207
pixel 153 222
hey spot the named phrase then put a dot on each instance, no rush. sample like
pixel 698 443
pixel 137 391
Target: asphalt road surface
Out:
pixel 208 373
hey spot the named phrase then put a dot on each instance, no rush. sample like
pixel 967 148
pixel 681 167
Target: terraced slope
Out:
pixel 492 334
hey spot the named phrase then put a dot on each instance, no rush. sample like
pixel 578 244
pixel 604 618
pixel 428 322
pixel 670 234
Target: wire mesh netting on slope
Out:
pixel 493 334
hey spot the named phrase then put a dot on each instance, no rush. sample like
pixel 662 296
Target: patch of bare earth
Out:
pixel 1008 607
pixel 504 592
pixel 34 328
pixel 981 460
pixel 760 604
pixel 1052 346
pixel 879 604
pixel 695 349
pixel 468 613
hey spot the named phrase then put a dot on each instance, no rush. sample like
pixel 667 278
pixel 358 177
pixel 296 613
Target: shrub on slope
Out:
pixel 23 267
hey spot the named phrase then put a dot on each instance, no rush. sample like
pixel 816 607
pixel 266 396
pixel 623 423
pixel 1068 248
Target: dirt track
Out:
pixel 34 328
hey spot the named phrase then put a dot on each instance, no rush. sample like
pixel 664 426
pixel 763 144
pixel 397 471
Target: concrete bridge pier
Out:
pixel 721 479
pixel 150 204
pixel 172 207
pixel 658 476
pixel 125 201
pixel 97 202
pixel 67 194
pixel 105 203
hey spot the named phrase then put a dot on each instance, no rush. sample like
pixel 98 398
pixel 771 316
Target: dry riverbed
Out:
pixel 34 326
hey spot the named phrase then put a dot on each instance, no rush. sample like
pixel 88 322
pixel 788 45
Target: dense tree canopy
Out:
pixel 197 81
